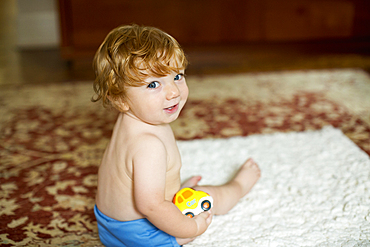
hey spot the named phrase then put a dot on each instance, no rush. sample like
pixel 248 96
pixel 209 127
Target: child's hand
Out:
pixel 203 220
pixel 182 241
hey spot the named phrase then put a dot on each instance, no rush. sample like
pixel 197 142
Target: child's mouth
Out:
pixel 172 109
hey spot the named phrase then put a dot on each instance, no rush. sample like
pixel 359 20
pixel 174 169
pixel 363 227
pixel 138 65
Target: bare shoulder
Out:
pixel 148 145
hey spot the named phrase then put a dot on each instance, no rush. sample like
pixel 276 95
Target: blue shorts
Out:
pixel 131 233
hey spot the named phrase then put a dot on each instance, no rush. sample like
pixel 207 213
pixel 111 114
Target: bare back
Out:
pixel 115 195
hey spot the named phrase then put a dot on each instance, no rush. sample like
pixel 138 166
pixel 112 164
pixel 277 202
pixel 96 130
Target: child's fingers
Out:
pixel 204 214
pixel 209 219
pixel 203 220
pixel 207 216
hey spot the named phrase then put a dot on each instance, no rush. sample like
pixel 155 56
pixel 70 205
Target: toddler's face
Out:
pixel 160 100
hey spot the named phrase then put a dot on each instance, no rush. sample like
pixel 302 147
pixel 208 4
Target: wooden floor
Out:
pixel 34 66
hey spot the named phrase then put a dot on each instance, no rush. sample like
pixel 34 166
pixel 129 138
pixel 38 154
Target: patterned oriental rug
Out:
pixel 52 139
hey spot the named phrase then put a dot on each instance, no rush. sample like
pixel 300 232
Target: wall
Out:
pixel 37 24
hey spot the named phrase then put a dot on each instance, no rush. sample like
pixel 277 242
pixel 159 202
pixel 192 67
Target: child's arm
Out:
pixel 149 169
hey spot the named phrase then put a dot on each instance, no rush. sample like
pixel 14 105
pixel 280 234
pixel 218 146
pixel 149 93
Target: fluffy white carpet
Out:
pixel 314 189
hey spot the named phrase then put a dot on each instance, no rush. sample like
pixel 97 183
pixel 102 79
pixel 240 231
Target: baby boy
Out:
pixel 140 72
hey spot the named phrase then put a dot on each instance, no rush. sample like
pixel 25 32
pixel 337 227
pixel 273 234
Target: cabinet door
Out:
pixel 308 20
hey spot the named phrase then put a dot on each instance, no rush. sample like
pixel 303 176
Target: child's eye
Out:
pixel 153 84
pixel 178 77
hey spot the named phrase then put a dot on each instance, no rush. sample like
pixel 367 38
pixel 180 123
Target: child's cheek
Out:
pixel 185 91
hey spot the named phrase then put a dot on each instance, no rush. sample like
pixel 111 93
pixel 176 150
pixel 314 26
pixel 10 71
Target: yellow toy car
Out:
pixel 192 202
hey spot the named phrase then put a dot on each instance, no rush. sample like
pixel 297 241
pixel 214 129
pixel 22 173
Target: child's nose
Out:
pixel 172 91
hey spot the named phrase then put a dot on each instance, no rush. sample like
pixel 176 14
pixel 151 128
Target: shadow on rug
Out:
pixel 52 138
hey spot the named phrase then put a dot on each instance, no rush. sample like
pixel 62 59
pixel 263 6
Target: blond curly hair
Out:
pixel 130 54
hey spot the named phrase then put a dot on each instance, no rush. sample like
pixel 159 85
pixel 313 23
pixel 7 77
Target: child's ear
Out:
pixel 119 104
pixel 124 107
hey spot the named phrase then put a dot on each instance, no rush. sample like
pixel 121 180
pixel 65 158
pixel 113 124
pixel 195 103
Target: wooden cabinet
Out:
pixel 299 20
pixel 85 23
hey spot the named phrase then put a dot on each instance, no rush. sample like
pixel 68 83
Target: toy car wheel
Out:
pixel 190 215
pixel 206 205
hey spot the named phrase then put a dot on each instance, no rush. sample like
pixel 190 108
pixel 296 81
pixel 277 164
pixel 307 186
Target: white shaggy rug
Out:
pixel 314 189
